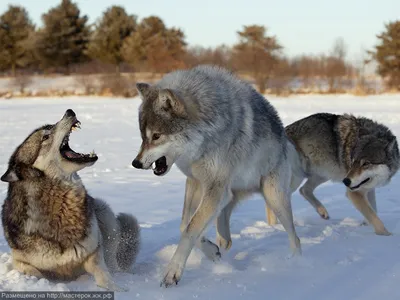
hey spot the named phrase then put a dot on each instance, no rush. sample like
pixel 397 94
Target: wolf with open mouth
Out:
pixel 54 228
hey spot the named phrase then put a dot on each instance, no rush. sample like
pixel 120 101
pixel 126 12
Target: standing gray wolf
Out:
pixel 55 229
pixel 229 142
pixel 361 153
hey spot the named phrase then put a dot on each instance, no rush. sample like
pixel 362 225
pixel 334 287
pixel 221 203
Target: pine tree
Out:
pixel 387 54
pixel 15 30
pixel 64 38
pixel 111 31
pixel 256 53
pixel 154 47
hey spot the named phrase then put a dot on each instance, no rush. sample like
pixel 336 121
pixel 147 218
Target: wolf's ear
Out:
pixel 392 143
pixel 143 89
pixel 10 176
pixel 169 102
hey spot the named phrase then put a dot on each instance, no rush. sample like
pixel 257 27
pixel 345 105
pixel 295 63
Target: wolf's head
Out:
pixel 163 118
pixel 371 165
pixel 47 150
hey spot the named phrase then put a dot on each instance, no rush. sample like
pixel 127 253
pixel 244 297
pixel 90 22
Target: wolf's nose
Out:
pixel 137 164
pixel 347 181
pixel 70 113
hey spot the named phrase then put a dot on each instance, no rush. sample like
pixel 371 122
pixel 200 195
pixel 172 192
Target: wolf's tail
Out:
pixel 297 165
pixel 129 244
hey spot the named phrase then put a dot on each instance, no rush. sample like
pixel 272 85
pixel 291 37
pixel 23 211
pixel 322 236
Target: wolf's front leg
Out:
pixel 96 266
pixel 193 196
pixel 213 193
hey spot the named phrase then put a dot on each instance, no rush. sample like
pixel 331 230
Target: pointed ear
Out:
pixel 392 143
pixel 143 89
pixel 10 176
pixel 168 101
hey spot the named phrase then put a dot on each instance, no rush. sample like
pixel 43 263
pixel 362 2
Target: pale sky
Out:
pixel 302 26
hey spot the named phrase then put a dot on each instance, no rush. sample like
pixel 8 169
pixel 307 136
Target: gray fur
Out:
pixel 129 244
pixel 229 142
pixel 338 147
pixel 54 228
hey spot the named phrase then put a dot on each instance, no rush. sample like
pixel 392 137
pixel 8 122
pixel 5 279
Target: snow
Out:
pixel 341 259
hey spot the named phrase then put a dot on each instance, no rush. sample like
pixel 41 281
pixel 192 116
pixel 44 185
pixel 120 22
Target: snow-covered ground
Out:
pixel 341 259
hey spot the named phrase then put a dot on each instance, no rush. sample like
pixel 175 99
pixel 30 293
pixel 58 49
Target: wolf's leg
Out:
pixel 213 193
pixel 276 191
pixel 360 201
pixel 27 269
pixel 372 202
pixel 110 232
pixel 96 266
pixel 307 191
pixel 192 201
pixel 223 221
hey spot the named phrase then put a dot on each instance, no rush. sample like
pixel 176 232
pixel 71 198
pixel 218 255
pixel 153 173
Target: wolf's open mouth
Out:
pixel 70 155
pixel 361 183
pixel 160 166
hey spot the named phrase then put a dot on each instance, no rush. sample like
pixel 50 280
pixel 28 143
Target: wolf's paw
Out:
pixel 210 250
pixel 383 232
pixel 223 243
pixel 172 276
pixel 323 212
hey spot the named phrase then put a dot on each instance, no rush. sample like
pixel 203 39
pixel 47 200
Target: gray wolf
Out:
pixel 229 142
pixel 54 228
pixel 361 153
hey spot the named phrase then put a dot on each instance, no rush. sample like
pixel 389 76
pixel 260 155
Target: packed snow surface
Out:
pixel 341 259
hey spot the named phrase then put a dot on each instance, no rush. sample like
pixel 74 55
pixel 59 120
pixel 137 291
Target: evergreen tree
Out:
pixel 256 53
pixel 154 47
pixel 111 31
pixel 15 30
pixel 64 38
pixel 387 54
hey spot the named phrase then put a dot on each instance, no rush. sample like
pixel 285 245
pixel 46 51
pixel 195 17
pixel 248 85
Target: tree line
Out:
pixel 67 43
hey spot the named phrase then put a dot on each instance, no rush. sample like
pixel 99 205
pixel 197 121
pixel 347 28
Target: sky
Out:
pixel 301 26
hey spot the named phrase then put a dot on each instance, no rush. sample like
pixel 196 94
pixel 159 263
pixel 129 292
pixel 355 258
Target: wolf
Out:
pixel 229 142
pixel 54 228
pixel 357 151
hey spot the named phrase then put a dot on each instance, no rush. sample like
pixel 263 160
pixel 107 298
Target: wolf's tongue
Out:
pixel 72 154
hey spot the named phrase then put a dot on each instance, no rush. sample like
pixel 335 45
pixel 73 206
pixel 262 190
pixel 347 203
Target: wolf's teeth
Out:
pixel 153 165
pixel 78 124
pixel 92 154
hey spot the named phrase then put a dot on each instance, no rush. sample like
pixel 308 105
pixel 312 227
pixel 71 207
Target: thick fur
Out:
pixel 54 228
pixel 229 142
pixel 358 151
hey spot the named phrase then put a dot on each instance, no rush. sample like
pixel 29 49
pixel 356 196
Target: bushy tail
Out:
pixel 129 244
pixel 297 165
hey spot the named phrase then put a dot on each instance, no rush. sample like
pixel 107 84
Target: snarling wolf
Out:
pixel 357 151
pixel 54 228
pixel 230 143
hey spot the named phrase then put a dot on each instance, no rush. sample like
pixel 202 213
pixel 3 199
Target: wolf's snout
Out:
pixel 70 113
pixel 137 164
pixel 347 181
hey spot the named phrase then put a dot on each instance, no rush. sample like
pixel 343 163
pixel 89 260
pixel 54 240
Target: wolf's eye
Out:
pixel 45 137
pixel 156 136
pixel 366 163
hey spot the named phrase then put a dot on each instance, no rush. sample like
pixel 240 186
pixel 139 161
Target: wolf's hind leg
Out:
pixel 307 191
pixel 27 269
pixel 275 188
